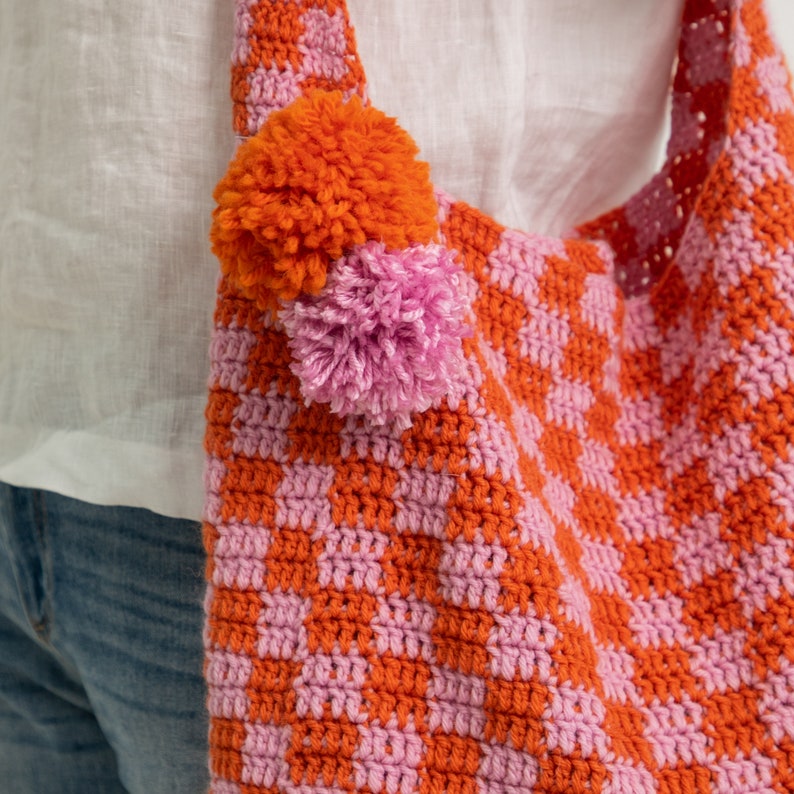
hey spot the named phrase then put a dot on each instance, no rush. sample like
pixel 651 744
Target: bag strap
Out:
pixel 284 49
pixel 645 232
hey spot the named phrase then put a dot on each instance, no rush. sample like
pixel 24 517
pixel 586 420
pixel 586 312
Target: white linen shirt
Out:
pixel 115 127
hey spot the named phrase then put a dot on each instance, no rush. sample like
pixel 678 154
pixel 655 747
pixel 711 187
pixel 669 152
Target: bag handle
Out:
pixel 285 49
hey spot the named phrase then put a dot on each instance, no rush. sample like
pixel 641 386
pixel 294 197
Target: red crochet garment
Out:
pixel 553 551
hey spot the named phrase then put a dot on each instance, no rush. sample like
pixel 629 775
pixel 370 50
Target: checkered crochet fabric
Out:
pixel 576 573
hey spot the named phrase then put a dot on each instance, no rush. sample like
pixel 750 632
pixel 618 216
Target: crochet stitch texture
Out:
pixel 575 577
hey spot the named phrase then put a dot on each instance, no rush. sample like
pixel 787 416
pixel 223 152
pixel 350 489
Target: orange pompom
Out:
pixel 321 176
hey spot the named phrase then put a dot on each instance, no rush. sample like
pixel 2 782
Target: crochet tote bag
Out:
pixel 491 511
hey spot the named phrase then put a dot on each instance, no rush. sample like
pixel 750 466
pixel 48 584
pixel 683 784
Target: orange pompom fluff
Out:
pixel 321 176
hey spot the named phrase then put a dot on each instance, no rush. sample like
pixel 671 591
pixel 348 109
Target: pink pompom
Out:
pixel 383 338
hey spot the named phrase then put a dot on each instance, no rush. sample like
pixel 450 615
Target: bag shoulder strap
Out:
pixel 283 49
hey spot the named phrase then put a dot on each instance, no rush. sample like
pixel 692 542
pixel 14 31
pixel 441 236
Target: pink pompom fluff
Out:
pixel 383 337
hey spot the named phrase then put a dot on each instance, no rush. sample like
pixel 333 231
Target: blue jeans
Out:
pixel 101 686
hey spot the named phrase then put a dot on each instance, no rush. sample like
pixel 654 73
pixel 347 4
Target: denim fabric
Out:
pixel 101 686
